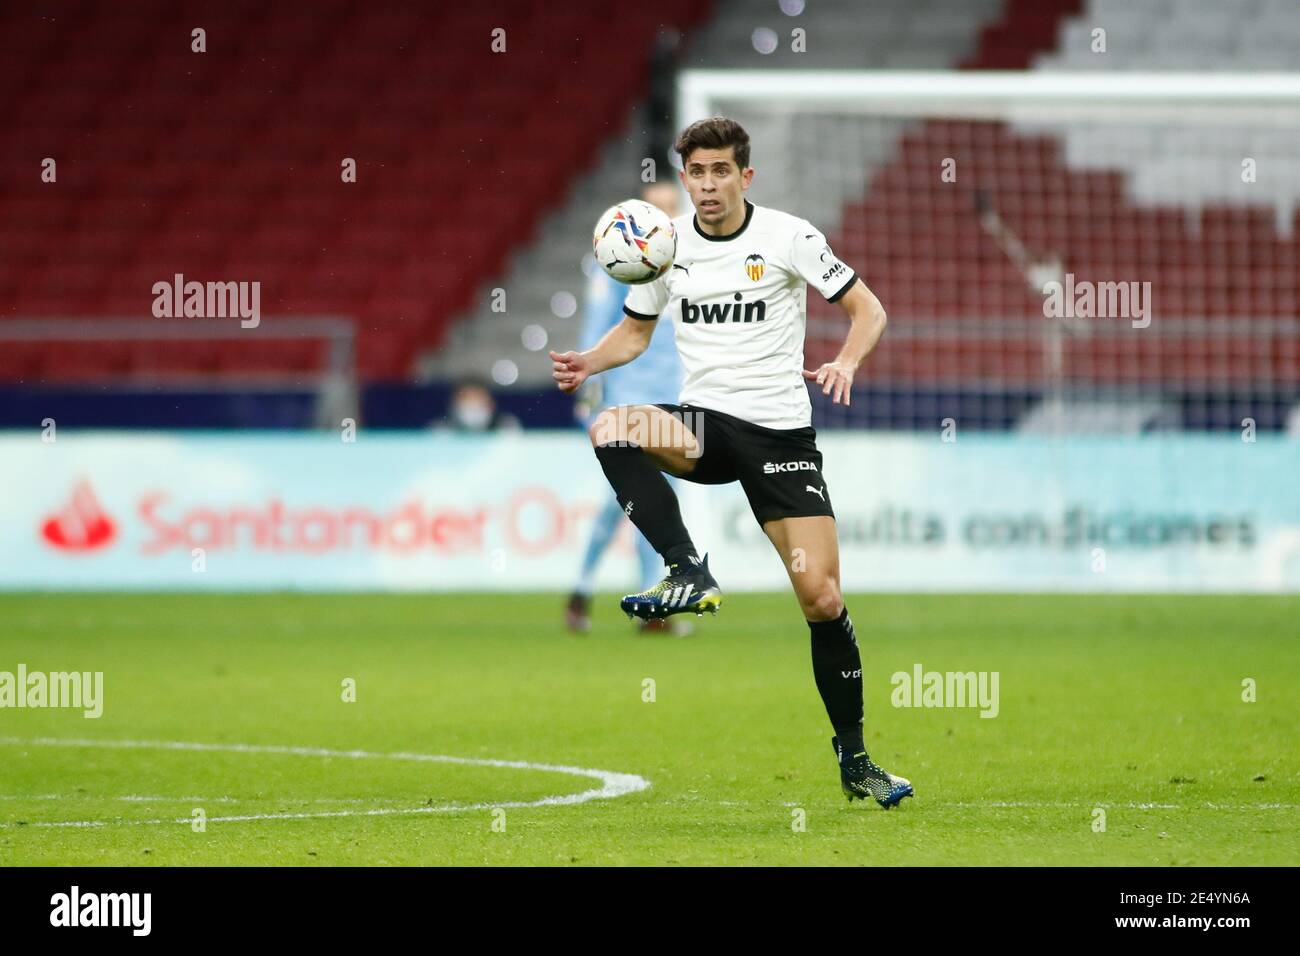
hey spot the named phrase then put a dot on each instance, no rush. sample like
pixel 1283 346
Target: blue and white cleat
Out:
pixel 861 778
pixel 688 587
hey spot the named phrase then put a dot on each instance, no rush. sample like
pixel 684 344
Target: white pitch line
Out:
pixel 1050 805
pixel 129 797
pixel 612 784
pixel 145 798
pixel 1061 805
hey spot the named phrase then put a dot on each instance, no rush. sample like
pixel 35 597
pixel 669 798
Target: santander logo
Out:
pixel 82 525
pixel 532 520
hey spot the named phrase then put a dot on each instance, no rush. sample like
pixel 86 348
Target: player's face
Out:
pixel 716 185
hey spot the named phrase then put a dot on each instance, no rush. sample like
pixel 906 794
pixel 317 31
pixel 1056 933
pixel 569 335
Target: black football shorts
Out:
pixel 779 468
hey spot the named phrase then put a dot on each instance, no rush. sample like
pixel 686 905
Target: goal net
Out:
pixel 1064 253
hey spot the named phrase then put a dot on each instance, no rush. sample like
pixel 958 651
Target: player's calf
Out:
pixel 650 502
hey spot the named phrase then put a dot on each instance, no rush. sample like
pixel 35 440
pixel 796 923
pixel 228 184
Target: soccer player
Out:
pixel 736 292
pixel 656 376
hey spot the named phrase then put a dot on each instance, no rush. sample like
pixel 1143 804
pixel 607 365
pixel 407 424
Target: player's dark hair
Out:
pixel 717 132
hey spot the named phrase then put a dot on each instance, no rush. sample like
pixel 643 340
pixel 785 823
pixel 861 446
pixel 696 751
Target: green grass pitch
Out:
pixel 1129 704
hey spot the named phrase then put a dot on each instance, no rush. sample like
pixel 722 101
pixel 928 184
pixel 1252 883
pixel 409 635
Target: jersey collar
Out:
pixel 749 214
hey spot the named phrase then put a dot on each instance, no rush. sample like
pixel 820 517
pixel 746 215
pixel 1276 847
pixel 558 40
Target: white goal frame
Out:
pixel 1266 97
pixel 1052 97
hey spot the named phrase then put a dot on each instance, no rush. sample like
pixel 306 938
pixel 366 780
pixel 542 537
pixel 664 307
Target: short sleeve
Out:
pixel 648 300
pixel 813 259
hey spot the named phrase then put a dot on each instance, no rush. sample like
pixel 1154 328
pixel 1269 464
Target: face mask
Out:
pixel 472 415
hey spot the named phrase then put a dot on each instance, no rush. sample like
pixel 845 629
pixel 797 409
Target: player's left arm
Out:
pixel 867 325
pixel 812 259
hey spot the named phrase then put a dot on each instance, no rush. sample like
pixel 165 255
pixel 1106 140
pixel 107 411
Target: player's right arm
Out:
pixel 621 344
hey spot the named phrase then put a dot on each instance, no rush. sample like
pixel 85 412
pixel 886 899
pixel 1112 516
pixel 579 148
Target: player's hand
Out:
pixel 570 370
pixel 835 378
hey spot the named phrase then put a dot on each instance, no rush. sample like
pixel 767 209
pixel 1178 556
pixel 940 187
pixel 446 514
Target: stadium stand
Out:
pixel 1160 201
pixel 1240 35
pixel 225 165
pixel 911 34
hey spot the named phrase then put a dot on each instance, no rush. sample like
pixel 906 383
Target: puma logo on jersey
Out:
pixel 686 269
pixel 816 491
pixel 720 312
pixel 772 467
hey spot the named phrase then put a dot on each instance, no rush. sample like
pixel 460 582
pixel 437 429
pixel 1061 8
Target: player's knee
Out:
pixel 604 429
pixel 823 601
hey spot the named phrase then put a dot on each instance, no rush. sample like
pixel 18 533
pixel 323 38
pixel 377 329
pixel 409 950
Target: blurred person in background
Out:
pixel 656 376
pixel 474 409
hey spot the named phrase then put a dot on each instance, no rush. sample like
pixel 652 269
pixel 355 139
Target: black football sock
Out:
pixel 647 499
pixel 837 668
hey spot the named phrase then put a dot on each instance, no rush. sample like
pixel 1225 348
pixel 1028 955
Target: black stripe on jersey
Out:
pixel 853 277
pixel 639 315
pixel 749 214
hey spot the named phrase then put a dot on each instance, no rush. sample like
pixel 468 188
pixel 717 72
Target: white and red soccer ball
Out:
pixel 634 242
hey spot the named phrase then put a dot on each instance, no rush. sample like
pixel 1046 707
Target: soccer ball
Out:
pixel 634 242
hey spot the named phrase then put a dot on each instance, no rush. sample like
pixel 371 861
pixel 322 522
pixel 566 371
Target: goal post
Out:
pixel 1070 252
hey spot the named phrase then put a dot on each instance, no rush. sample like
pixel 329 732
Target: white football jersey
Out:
pixel 739 304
